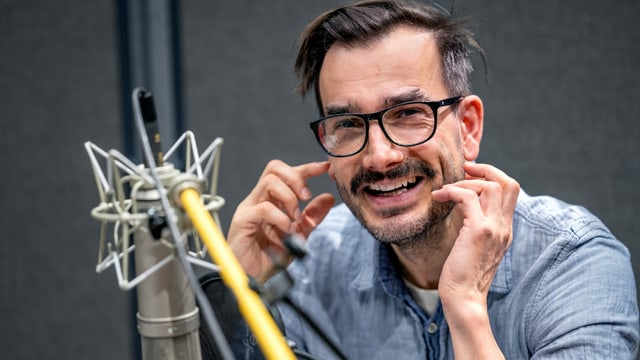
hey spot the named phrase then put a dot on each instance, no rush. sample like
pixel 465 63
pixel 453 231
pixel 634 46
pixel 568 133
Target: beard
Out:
pixel 422 230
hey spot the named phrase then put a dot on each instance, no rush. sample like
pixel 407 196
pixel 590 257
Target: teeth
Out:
pixel 392 186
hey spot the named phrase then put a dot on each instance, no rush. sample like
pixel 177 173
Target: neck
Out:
pixel 421 263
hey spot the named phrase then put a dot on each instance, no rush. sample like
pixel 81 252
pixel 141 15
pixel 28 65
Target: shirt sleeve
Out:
pixel 586 304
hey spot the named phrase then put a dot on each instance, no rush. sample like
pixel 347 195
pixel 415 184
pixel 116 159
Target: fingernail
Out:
pixel 305 193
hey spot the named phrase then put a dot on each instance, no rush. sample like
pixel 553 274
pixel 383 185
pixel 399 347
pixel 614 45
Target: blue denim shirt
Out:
pixel 564 290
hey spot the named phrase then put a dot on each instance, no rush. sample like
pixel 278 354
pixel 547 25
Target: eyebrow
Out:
pixel 338 109
pixel 411 95
pixel 408 96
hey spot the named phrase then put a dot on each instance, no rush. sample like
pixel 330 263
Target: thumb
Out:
pixel 314 213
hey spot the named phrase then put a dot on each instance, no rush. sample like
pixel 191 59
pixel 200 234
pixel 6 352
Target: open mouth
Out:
pixel 394 188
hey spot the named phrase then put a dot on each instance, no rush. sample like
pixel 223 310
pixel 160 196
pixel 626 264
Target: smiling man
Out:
pixel 431 255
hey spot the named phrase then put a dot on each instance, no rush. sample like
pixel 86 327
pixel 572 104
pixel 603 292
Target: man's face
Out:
pixel 388 187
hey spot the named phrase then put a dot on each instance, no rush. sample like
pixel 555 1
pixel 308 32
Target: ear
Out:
pixel 471 115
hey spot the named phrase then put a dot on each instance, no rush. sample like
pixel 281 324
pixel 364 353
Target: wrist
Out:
pixel 464 315
pixel 470 329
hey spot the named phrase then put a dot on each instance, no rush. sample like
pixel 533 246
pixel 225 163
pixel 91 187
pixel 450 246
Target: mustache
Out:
pixel 365 176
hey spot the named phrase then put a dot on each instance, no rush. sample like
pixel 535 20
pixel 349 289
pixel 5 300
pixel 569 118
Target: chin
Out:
pixel 405 228
pixel 393 225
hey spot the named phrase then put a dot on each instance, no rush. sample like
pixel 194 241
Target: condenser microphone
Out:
pixel 146 227
pixel 168 319
pixel 158 208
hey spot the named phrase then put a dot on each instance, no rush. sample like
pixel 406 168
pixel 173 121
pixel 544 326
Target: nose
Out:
pixel 380 153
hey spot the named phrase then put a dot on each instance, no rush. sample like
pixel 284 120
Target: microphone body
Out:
pixel 168 318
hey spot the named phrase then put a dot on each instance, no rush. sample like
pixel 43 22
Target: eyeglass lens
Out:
pixel 406 125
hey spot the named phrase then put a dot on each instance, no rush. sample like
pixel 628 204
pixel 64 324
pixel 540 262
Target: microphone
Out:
pixel 168 319
pixel 165 244
pixel 133 201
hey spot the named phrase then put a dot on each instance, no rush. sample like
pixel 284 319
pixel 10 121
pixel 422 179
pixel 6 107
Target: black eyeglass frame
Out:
pixel 434 105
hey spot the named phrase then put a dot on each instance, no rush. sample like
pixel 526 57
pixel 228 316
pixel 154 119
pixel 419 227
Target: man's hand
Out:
pixel 272 210
pixel 487 200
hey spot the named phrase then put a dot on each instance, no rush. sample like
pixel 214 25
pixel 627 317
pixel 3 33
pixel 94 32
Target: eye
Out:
pixel 346 123
pixel 408 111
pixel 408 114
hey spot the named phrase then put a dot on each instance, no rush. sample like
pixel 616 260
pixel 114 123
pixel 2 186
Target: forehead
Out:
pixel 365 77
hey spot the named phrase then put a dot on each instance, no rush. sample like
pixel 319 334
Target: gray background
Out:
pixel 562 117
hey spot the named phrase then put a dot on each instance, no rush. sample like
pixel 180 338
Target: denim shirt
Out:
pixel 564 290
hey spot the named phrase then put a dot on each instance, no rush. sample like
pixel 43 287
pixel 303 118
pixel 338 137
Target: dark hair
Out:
pixel 365 21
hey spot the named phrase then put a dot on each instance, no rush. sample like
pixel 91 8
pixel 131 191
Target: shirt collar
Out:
pixel 382 266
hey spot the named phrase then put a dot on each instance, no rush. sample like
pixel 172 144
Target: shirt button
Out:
pixel 432 328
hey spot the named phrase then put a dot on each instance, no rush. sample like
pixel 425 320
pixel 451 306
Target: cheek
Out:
pixel 450 144
pixel 331 172
pixel 339 169
pixel 452 159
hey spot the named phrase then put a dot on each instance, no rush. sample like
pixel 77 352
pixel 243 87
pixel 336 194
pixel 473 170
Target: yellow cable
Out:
pixel 269 337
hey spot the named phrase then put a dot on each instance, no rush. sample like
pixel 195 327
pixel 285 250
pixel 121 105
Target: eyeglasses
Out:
pixel 407 124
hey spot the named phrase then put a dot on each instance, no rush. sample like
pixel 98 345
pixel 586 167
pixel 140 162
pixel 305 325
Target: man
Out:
pixel 431 255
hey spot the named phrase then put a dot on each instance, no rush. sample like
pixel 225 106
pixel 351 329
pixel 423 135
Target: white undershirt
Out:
pixel 427 299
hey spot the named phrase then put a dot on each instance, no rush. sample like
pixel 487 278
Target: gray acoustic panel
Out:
pixel 58 89
pixel 561 117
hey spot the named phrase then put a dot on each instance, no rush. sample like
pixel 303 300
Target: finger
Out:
pixel 307 171
pixel 264 214
pixel 314 213
pixel 510 187
pixel 487 193
pixel 273 189
pixel 490 173
pixel 285 185
pixel 484 215
pixel 466 198
pixel 312 169
pixel 296 177
pixel 476 185
pixel 484 171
